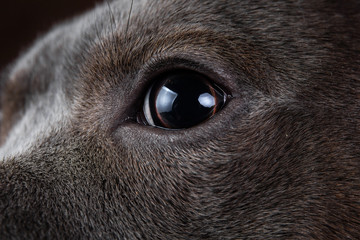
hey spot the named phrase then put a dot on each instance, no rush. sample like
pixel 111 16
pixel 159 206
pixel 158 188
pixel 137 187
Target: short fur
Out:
pixel 280 161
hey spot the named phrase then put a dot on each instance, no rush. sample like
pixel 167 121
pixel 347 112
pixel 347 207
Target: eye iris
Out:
pixel 182 100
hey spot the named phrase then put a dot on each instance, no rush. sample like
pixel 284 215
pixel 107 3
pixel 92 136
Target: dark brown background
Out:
pixel 21 21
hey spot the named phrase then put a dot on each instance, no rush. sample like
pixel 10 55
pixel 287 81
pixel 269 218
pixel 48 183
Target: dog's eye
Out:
pixel 181 99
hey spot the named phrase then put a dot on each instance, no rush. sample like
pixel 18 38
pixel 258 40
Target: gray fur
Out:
pixel 280 161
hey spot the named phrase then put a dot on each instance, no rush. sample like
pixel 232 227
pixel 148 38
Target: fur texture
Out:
pixel 280 161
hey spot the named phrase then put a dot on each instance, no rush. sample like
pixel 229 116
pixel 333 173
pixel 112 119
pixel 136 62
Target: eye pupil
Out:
pixel 181 100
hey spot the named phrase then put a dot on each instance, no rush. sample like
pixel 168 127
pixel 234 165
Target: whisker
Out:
pixel 112 19
pixel 128 21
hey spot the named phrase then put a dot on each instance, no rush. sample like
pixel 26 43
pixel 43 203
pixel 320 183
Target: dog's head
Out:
pixel 106 132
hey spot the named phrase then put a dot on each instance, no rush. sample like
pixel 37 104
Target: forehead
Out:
pixel 145 25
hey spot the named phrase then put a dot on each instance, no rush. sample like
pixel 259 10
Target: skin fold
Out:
pixel 280 160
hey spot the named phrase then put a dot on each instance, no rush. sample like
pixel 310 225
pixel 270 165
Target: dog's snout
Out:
pixel 47 190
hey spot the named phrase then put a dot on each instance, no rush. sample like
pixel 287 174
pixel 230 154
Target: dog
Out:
pixel 186 120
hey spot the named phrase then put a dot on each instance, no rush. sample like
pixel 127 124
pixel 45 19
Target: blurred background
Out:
pixel 22 21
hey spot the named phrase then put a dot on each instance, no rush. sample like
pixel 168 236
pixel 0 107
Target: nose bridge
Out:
pixel 42 189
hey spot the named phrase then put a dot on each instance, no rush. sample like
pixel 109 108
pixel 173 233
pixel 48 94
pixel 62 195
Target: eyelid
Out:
pixel 142 78
pixel 159 65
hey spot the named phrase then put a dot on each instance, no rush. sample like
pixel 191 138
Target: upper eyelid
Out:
pixel 128 58
pixel 125 69
pixel 175 61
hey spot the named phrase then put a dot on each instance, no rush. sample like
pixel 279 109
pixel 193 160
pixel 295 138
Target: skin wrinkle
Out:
pixel 279 161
